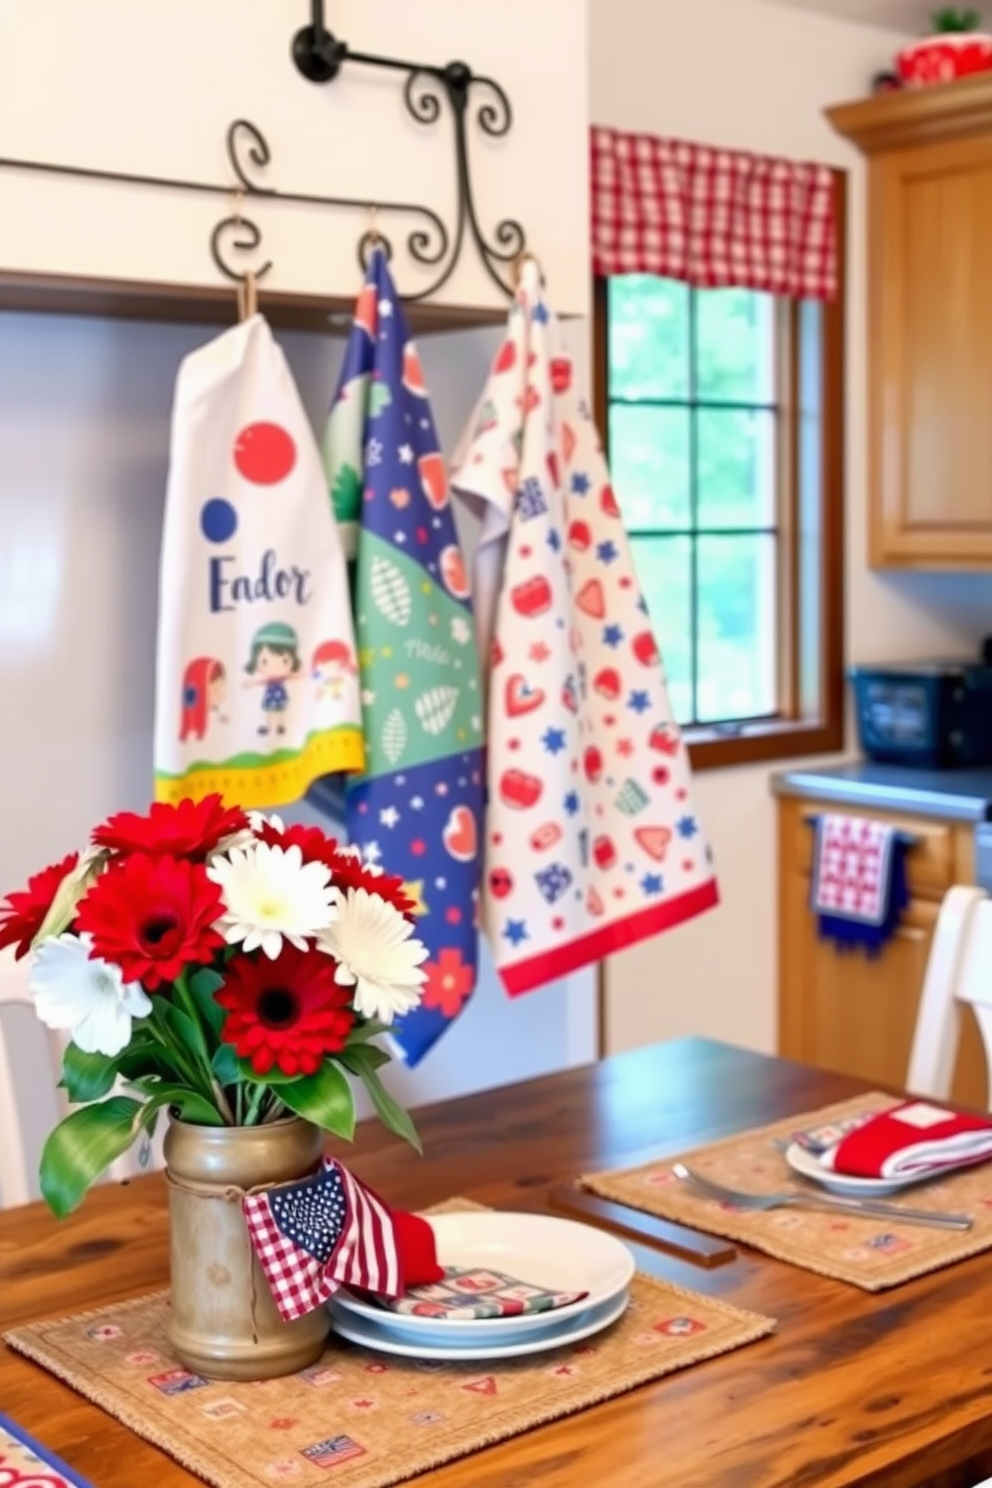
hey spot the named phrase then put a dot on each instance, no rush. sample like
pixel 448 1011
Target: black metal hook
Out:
pixel 319 56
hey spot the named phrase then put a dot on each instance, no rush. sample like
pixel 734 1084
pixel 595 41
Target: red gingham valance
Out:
pixel 712 217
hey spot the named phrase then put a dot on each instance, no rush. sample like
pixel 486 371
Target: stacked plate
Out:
pixel 534 1249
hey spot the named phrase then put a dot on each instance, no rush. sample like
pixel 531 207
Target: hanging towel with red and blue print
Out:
pixel 593 841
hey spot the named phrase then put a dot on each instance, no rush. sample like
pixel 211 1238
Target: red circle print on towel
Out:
pixel 264 453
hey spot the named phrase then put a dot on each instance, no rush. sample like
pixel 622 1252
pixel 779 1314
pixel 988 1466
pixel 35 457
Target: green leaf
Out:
pixel 87 1077
pixel 369 1054
pixel 950 19
pixel 325 1099
pixel 179 1023
pixel 145 1056
pixel 191 1106
pixel 275 1076
pixel 226 1065
pixel 370 1030
pixel 82 1147
pixel 202 985
pixel 388 1110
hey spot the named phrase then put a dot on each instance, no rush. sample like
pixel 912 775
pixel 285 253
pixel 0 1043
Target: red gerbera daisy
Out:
pixel 190 830
pixel 23 911
pixel 347 870
pixel 287 1013
pixel 152 917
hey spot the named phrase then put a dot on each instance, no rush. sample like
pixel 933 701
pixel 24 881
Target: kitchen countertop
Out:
pixel 953 795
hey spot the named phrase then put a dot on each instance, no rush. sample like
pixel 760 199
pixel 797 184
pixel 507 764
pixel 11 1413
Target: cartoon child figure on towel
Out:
pixel 333 664
pixel 274 662
pixel 204 691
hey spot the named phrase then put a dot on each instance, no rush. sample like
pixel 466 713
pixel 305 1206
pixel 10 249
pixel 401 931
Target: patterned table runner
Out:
pixel 869 1253
pixel 375 1419
pixel 24 1463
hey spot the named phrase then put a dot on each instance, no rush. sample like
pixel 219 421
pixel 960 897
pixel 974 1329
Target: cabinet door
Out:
pixel 930 355
pixel 844 1011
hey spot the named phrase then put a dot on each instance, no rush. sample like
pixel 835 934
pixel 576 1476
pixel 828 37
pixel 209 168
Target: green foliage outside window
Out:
pixel 692 433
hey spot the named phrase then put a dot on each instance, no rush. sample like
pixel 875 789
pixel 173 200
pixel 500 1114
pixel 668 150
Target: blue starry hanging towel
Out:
pixel 592 839
pixel 417 808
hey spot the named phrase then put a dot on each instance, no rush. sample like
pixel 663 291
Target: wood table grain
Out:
pixel 854 1389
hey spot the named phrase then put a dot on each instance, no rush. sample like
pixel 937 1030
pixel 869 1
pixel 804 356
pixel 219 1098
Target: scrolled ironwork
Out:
pixel 428 93
pixel 469 97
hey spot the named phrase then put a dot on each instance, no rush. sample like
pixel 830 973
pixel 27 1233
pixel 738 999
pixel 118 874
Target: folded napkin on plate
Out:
pixel 328 1231
pixel 913 1139
pixel 819 1139
pixel 472 1293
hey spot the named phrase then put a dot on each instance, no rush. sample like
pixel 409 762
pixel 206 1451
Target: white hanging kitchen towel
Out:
pixel 592 839
pixel 257 678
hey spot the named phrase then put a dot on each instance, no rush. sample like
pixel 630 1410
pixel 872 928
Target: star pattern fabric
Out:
pixel 323 1233
pixel 418 807
pixel 591 840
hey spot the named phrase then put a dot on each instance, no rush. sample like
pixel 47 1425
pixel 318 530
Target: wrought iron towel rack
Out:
pixel 430 243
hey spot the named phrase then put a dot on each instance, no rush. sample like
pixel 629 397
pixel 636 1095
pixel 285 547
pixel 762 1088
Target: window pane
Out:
pixel 648 323
pixel 664 567
pixel 735 346
pixel 735 452
pixel 736 617
pixel 649 457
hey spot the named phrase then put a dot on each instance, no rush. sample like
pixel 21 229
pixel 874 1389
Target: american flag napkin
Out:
pixel 329 1231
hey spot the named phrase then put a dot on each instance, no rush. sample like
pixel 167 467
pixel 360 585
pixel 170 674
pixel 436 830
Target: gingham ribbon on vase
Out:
pixel 712 217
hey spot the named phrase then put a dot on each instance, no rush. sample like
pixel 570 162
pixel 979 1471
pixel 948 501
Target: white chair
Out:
pixel 15 1181
pixel 959 971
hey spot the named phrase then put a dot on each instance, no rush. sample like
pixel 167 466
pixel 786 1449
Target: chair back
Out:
pixel 959 972
pixel 16 1157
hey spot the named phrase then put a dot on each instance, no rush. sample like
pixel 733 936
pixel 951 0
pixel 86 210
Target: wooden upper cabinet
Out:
pixel 929 322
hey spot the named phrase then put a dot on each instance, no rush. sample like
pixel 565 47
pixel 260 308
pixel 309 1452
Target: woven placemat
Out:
pixel 870 1253
pixel 376 1419
pixel 26 1462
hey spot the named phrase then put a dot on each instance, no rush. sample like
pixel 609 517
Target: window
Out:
pixel 722 414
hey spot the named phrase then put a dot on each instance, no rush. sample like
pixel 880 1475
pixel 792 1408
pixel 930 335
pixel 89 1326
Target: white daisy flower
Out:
pixel 378 955
pixel 84 995
pixel 271 895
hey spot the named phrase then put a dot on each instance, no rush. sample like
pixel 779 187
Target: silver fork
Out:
pixel 868 1208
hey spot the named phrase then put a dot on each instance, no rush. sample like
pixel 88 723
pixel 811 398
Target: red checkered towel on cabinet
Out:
pixel 858 886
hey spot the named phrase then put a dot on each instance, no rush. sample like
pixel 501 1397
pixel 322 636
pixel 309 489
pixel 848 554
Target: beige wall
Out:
pixel 756 76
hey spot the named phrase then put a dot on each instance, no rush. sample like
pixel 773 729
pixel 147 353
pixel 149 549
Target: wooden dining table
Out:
pixel 853 1388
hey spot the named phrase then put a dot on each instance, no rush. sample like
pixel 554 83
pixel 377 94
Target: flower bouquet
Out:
pixel 225 968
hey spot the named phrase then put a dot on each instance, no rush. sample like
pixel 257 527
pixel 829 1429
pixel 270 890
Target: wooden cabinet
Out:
pixel 841 1010
pixel 929 322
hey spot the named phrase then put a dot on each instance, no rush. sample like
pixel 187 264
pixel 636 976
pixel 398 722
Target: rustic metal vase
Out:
pixel 223 1322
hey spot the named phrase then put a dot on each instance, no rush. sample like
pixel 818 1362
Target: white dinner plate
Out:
pixel 558 1254
pixel 820 1170
pixel 385 1339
